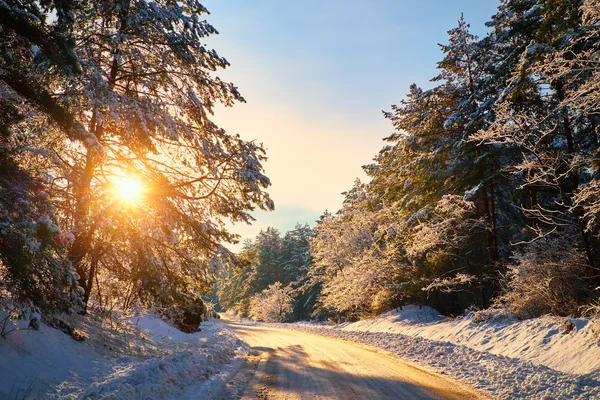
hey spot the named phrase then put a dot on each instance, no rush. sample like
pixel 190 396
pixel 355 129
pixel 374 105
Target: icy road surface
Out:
pixel 289 364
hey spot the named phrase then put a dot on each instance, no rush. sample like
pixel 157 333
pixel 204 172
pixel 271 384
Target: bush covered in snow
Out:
pixel 272 304
pixel 547 278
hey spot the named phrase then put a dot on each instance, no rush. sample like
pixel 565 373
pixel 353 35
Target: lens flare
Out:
pixel 128 189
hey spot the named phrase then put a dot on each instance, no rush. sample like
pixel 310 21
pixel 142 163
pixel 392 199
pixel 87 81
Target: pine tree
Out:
pixel 535 118
pixel 295 252
pixel 467 84
pixel 32 264
pixel 126 89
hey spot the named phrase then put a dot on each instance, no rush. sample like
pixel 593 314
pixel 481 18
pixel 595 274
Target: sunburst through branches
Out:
pixel 128 189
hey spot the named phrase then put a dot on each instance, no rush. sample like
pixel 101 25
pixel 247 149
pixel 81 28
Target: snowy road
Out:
pixel 296 365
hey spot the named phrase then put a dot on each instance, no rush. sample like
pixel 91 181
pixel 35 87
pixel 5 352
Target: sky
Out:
pixel 316 76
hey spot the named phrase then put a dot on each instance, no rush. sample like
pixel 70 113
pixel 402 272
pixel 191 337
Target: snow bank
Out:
pixel 147 359
pixel 531 359
pixel 542 340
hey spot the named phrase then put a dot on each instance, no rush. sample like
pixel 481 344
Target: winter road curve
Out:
pixel 289 364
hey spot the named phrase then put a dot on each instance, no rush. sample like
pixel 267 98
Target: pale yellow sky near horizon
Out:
pixel 310 162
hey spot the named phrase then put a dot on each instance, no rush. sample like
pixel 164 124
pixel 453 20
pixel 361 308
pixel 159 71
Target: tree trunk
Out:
pixel 88 286
pixel 488 216
pixel 83 235
pixel 494 219
pixel 573 177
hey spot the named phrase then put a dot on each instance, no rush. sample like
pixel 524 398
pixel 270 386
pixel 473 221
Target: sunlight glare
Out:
pixel 128 189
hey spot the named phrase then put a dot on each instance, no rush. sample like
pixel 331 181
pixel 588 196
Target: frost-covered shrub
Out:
pixel 546 278
pixel 383 301
pixel 18 317
pixel 78 335
pixel 596 329
pixel 592 311
pixel 489 314
pixel 272 304
pixel 211 309
pixel 193 314
pixel 186 314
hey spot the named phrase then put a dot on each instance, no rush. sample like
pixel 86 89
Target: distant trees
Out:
pixel 264 262
pixel 113 90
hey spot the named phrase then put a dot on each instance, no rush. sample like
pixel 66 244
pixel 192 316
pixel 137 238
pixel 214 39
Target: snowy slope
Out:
pixel 34 360
pixel 540 340
pixel 146 359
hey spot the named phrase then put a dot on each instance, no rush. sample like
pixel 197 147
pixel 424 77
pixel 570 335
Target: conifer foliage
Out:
pixel 99 98
pixel 269 280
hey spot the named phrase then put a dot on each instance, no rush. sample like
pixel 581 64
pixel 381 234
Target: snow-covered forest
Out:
pixel 120 196
pixel 115 184
pixel 486 195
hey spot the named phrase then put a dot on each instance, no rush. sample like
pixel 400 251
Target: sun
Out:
pixel 128 189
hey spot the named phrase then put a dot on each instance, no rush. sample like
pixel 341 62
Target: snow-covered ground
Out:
pixel 542 341
pixel 533 359
pixel 146 359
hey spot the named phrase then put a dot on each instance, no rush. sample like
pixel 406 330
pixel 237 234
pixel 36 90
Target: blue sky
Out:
pixel 316 76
